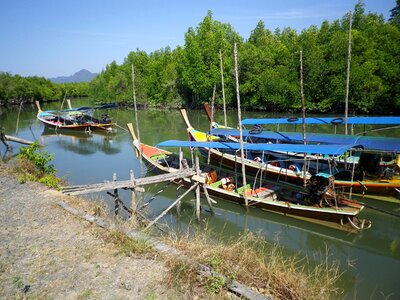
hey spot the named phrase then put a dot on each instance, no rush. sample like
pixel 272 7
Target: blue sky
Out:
pixel 59 37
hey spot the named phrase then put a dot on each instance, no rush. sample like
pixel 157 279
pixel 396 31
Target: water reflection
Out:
pixel 81 142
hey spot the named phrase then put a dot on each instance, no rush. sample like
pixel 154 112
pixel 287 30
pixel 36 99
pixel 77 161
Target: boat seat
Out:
pixel 262 192
pixel 216 184
pixel 158 156
pixel 241 189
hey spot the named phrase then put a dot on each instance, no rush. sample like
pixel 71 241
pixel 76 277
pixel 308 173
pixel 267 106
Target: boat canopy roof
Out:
pixel 298 148
pixel 331 120
pixel 368 142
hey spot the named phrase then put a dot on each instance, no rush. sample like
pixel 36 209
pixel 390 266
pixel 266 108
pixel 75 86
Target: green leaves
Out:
pixel 268 68
pixel 39 159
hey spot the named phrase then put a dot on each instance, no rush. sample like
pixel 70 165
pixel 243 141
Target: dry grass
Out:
pixel 251 260
pixel 127 245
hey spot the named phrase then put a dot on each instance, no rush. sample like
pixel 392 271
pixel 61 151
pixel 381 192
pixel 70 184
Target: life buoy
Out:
pixel 337 121
pixel 292 167
pixel 256 129
pixel 293 119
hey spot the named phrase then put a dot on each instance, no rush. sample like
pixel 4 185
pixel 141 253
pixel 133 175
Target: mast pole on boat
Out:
pixel 223 87
pixel 240 125
pixel 136 115
pixel 303 108
pixel 211 121
pixel 346 109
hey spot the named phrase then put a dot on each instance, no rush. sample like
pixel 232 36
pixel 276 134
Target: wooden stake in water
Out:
pixel 172 205
pixel 116 203
pixel 240 126
pixel 198 206
pixel 178 193
pixel 133 201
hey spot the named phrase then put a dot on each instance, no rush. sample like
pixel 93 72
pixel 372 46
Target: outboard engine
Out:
pixel 369 164
pixel 317 186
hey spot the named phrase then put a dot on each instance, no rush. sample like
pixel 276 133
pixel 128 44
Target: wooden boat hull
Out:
pixel 162 161
pixel 58 125
pixel 376 187
pixel 389 186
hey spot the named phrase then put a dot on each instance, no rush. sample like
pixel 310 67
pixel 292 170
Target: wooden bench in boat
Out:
pixel 263 191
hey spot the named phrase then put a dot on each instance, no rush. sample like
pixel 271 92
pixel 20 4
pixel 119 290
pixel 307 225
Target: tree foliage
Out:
pixel 268 69
pixel 15 89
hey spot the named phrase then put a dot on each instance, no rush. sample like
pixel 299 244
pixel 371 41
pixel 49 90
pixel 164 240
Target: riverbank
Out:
pixel 45 252
pixel 48 252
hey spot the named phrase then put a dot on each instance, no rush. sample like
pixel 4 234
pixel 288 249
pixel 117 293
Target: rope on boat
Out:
pixel 380 210
pixel 378 129
pixel 362 226
pixel 155 195
pixel 115 124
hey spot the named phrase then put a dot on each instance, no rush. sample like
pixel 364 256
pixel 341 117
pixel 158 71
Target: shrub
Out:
pixel 33 165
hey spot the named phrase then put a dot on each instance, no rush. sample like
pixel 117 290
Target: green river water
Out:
pixel 370 260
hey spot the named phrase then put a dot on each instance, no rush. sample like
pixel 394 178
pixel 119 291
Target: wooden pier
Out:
pixel 4 138
pixel 126 184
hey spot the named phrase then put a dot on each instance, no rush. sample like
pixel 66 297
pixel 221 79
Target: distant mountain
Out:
pixel 80 76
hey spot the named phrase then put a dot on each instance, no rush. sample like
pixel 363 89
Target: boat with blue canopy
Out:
pixel 388 120
pixel 317 203
pixel 389 144
pixel 73 119
pixel 366 172
pixel 299 148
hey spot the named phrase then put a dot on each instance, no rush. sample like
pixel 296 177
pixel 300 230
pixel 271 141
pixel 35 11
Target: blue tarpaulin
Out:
pixel 297 148
pixel 331 120
pixel 368 142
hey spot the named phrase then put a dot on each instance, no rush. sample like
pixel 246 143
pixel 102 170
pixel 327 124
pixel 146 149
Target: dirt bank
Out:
pixel 45 252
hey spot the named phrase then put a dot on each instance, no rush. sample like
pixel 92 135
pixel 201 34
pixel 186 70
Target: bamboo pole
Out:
pixel 240 126
pixel 198 206
pixel 99 187
pixel 212 110
pixel 116 203
pixel 346 109
pixel 171 206
pixel 3 138
pixel 179 204
pixel 136 115
pixel 223 87
pixel 209 200
pixel 211 122
pixel 303 109
pixel 19 112
pixel 178 195
pixel 134 202
pixel 17 140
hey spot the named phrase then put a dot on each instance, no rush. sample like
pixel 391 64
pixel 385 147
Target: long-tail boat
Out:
pixel 73 119
pixel 336 120
pixel 370 177
pixel 318 203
